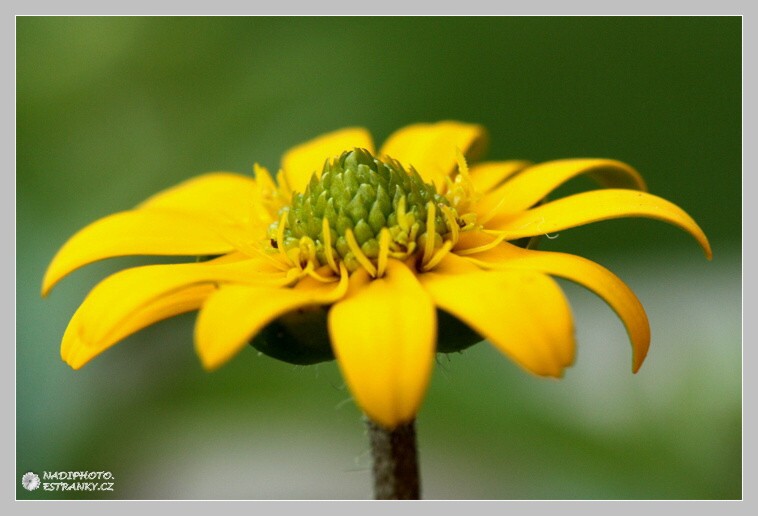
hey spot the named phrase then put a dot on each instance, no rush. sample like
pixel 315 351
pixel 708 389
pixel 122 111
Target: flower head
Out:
pixel 378 259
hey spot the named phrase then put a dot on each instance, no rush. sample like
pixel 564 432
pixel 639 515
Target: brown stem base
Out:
pixel 395 462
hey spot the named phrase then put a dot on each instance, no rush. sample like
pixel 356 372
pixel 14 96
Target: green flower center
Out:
pixel 362 210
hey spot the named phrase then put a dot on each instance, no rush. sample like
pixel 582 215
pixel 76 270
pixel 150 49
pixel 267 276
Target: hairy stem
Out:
pixel 395 467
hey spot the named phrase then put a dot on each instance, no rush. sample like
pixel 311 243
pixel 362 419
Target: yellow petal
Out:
pixel 119 298
pixel 432 148
pixel 453 265
pixel 590 275
pixel 300 163
pixel 237 206
pixel 218 196
pixel 383 334
pixel 522 313
pixel 236 313
pixel 76 352
pixel 136 232
pixel 534 183
pixel 489 175
pixel 587 207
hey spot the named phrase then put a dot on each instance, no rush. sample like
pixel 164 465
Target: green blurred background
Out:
pixel 111 110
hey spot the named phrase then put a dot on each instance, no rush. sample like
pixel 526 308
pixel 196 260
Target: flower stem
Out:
pixel 395 462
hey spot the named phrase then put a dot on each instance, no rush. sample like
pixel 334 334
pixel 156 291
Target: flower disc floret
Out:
pixel 362 210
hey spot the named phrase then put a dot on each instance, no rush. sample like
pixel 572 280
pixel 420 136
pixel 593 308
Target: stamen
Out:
pixel 269 198
pixel 470 221
pixel 403 255
pixel 352 243
pixel 307 248
pixel 482 248
pixel 294 257
pixel 462 165
pixel 413 236
pixel 315 274
pixel 431 212
pixel 341 289
pixel 326 231
pixel 384 251
pixel 438 256
pixel 490 214
pixel 280 236
pixel 449 184
pixel 294 274
pixel 461 192
pixel 452 223
pixel 402 216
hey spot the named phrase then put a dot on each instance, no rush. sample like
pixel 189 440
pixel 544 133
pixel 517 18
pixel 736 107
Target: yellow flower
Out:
pixel 375 250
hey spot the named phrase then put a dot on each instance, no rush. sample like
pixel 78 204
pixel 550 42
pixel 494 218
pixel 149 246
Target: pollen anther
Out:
pixel 384 251
pixel 358 253
pixel 452 223
pixel 280 236
pixel 431 211
pixel 326 231
pixel 486 247
pixel 438 256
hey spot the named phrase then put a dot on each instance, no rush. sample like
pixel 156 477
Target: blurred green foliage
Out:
pixel 110 110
